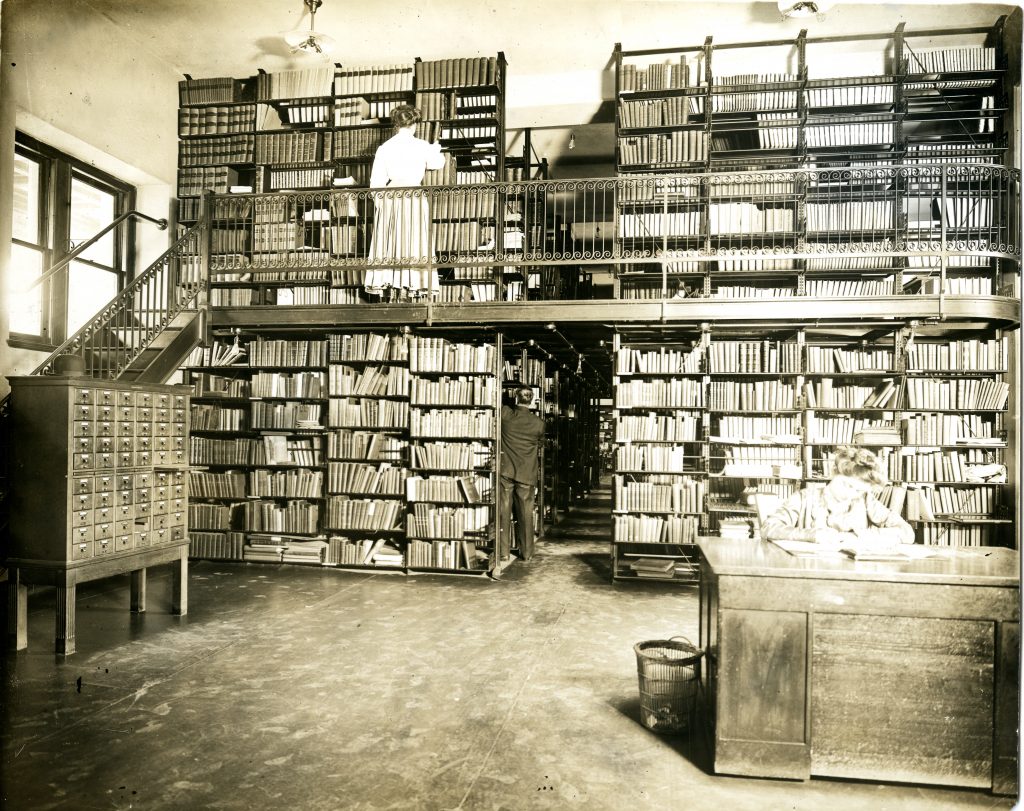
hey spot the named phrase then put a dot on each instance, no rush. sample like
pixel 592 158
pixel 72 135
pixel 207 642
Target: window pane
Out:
pixel 27 175
pixel 26 309
pixel 89 288
pixel 92 209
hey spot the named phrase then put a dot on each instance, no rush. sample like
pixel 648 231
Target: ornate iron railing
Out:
pixel 130 322
pixel 927 215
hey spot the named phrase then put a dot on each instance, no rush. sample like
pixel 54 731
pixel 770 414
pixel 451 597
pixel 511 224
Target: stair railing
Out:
pixel 130 321
pixel 79 249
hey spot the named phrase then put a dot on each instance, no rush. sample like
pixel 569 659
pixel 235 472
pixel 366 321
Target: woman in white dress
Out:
pixel 401 222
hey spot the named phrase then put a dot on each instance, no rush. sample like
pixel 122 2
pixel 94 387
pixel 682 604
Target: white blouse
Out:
pixel 402 160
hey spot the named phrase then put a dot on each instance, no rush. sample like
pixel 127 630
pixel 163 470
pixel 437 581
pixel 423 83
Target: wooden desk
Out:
pixel 903 672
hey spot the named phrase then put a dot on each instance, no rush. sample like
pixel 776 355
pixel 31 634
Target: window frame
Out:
pixel 57 170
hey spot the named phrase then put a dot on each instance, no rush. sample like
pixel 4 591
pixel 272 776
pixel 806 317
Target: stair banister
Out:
pixel 79 249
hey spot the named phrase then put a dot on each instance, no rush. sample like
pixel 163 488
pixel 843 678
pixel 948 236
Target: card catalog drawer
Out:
pixel 103 546
pixel 84 428
pixel 81 550
pixel 82 461
pixel 82 535
pixel 82 518
pixel 81 485
pixel 82 501
pixel 104 484
pixel 101 531
pixel 124 542
pixel 84 396
pixel 126 398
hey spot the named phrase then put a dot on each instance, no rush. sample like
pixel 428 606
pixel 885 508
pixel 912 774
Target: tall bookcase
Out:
pixel 836 107
pixel 360 449
pixel 308 131
pixel 703 422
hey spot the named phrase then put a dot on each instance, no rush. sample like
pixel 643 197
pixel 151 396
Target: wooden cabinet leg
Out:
pixel 64 642
pixel 17 611
pixel 179 584
pixel 138 591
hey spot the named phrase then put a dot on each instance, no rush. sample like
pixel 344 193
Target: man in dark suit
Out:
pixel 521 435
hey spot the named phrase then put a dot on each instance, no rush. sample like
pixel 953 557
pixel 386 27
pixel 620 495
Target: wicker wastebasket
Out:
pixel 669 674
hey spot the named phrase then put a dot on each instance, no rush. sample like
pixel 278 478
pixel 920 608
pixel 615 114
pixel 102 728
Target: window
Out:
pixel 60 203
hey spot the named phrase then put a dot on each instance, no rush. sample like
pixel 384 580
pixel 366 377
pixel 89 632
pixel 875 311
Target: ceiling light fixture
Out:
pixel 804 8
pixel 572 140
pixel 310 42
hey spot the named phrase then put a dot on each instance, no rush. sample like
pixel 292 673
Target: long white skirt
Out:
pixel 401 235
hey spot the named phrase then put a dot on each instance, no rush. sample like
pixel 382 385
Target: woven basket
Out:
pixel 669 674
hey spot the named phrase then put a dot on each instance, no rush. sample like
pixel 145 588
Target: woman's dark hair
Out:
pixel 405 114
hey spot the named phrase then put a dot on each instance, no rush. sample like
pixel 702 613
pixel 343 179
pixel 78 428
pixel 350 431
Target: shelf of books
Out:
pixel 359 450
pixel 308 131
pixel 703 426
pixel 256 450
pixel 659 484
pixel 454 430
pixel 835 108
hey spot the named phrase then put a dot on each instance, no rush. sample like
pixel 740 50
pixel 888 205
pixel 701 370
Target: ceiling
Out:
pixel 560 54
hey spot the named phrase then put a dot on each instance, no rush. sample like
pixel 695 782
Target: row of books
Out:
pixel 658 224
pixel 377 515
pixel 451 455
pixel 971 393
pixel 729 357
pixel 460 424
pixel 445 555
pixel 662 360
pixel 957 535
pixel 734 428
pixel 211 516
pixel 284 549
pixel 299 483
pixel 760 395
pixel 368 346
pixel 462 72
pixel 230 484
pixel 355 444
pixel 441 355
pixel 363 552
pixel 464 488
pixel 960 355
pixel 288 147
pixel 655 528
pixel 216 545
pixel 217 151
pixel 428 521
pixel 444 106
pixel 685 146
pixel 636 456
pixel 370 381
pixel 477 390
pixel 669 112
pixel 743 291
pixel 753 102
pixel 845 429
pixel 356 143
pixel 654 427
pixel 382 479
pixel 824 393
pixel 673 393
pixel 237 118
pixel 268 352
pixel 210 385
pixel 373 80
pixel 268 450
pixel 356 412
pixel 208 91
pixel 304 416
pixel 949 429
pixel 667 75
pixel 938 466
pixel 749 218
pixel 295 84
pixel 944 60
pixel 272 516
pixel 287 384
pixel 208 417
pixel 828 359
pixel 680 495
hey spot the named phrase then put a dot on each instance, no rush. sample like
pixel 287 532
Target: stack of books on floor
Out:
pixel 653 567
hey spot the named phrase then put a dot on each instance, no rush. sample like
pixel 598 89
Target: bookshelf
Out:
pixel 454 430
pixel 358 450
pixel 308 131
pixel 704 421
pixel 839 110
pixel 259 411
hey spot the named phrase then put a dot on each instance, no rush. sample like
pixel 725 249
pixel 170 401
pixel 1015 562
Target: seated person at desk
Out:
pixel 844 510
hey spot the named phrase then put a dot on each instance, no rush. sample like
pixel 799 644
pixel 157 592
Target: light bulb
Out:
pixel 572 140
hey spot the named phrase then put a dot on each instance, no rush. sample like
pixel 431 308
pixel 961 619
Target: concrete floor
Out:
pixel 290 687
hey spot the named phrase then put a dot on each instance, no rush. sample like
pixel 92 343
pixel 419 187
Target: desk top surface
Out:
pixel 983 565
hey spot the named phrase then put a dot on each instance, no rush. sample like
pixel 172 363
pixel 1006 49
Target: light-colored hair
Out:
pixel 524 395
pixel 860 463
pixel 405 114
